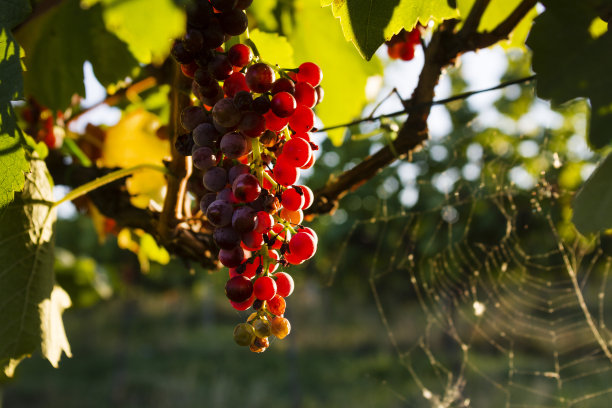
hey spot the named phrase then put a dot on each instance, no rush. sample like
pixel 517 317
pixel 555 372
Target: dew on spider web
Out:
pixel 518 320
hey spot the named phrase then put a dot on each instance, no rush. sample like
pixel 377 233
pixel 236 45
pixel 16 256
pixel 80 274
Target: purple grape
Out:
pixel 213 34
pixel 252 124
pixel 215 179
pixel 193 41
pixel 234 145
pixel 232 257
pixel 237 170
pixel 210 101
pixel 224 5
pixel 261 104
pixel 206 135
pixel 225 113
pixel 226 237
pixel 246 188
pixel 259 77
pixel 227 195
pixel 243 100
pixel 181 54
pixel 234 22
pixel 220 67
pixel 207 200
pixel 192 116
pixel 219 213
pixel 204 158
pixel 243 219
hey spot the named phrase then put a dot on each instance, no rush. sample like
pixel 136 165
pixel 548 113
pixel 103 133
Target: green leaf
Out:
pixel 30 306
pixel 57 44
pixel 273 48
pixel 496 12
pixel 13 163
pixel 147 26
pixel 368 23
pixel 571 63
pixel 317 37
pixel 593 201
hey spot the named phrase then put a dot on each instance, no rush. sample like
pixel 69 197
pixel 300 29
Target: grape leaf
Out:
pixel 30 309
pixel 345 73
pixel 11 81
pixel 57 44
pixel 13 163
pixel 593 201
pixel 368 23
pixel 273 48
pixel 147 26
pixel 495 13
pixel 571 63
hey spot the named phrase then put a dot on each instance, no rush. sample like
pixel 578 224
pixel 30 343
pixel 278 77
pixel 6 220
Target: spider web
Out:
pixel 515 320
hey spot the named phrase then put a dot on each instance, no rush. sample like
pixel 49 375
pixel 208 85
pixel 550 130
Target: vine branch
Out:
pixel 444 101
pixel 179 165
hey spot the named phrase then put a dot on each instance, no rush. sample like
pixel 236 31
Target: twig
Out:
pixel 111 100
pixel 179 166
pixel 463 95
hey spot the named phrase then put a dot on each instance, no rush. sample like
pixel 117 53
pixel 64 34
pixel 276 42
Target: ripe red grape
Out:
pixel 264 288
pixel 311 73
pixel 284 284
pixel 240 55
pixel 283 104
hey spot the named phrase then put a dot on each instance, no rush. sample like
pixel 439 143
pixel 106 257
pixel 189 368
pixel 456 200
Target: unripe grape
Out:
pixel 259 345
pixel 262 328
pixel 244 334
pixel 280 327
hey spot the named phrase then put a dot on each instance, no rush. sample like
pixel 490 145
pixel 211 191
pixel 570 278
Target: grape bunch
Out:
pixel 248 134
pixel 402 45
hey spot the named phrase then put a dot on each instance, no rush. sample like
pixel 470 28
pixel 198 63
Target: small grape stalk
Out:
pixel 248 135
pixel 402 45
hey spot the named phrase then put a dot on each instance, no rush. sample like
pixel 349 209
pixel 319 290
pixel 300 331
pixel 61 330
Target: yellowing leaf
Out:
pixel 133 141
